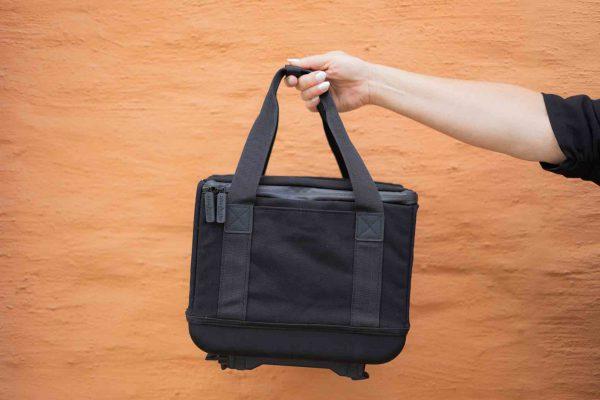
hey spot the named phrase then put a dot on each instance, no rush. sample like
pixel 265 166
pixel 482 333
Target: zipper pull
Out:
pixel 221 206
pixel 209 206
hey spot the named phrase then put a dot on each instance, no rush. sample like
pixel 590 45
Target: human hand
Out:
pixel 347 77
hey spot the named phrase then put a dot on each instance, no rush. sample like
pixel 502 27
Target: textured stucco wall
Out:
pixel 111 111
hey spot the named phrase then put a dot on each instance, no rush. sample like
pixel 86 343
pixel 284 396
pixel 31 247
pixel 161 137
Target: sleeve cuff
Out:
pixel 563 117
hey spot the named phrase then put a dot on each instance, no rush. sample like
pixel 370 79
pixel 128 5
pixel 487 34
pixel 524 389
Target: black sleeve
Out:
pixel 576 125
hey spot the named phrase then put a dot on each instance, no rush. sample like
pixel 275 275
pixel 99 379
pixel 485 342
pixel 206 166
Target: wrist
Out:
pixel 374 84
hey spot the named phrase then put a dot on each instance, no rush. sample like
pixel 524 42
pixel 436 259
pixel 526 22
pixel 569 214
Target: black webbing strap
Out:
pixel 235 262
pixel 237 236
pixel 366 275
pixel 291 70
pixel 369 224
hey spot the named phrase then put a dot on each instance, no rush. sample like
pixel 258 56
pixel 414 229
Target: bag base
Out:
pixel 293 342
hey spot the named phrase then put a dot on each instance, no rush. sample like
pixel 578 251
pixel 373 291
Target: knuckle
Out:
pixel 323 87
pixel 307 95
pixel 292 81
pixel 308 80
pixel 303 82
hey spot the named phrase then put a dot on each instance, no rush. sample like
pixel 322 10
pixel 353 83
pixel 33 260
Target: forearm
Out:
pixel 499 117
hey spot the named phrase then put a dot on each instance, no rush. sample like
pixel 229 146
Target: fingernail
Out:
pixel 320 76
pixel 293 60
pixel 323 86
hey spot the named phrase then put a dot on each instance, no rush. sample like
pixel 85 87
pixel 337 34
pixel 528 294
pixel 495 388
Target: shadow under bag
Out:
pixel 297 271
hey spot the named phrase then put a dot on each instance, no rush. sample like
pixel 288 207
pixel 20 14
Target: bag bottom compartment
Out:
pixel 299 342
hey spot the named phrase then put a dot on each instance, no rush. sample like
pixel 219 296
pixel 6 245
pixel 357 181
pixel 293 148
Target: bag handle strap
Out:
pixel 258 146
pixel 298 72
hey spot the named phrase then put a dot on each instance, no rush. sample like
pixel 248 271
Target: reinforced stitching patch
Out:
pixel 239 218
pixel 369 226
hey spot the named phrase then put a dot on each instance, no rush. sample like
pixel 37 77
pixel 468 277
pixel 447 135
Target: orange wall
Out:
pixel 112 111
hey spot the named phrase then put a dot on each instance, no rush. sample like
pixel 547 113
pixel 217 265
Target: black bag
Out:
pixel 300 271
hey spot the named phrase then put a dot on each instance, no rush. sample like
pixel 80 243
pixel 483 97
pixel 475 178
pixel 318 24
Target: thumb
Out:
pixel 317 62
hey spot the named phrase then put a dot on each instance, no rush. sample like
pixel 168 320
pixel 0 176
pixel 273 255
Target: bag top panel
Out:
pixel 315 182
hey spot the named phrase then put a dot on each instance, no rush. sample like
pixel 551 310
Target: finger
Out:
pixel 312 104
pixel 311 62
pixel 310 80
pixel 315 91
pixel 291 81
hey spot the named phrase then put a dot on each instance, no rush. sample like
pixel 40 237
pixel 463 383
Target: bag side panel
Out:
pixel 194 244
pixel 207 266
pixel 397 264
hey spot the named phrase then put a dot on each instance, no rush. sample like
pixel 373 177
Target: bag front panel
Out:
pixel 301 266
pixel 301 263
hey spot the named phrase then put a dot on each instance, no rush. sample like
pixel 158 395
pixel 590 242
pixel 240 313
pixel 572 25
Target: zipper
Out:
pixel 201 320
pixel 209 204
pixel 221 205
pixel 215 204
pixel 215 196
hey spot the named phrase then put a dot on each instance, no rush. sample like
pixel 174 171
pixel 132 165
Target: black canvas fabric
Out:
pixel 295 278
